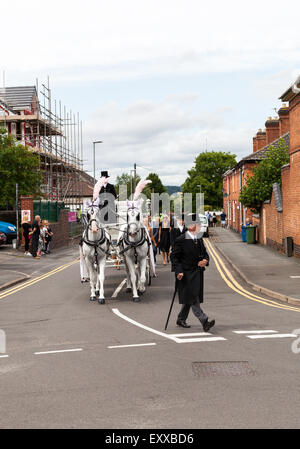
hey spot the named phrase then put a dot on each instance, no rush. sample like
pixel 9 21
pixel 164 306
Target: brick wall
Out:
pixel 60 229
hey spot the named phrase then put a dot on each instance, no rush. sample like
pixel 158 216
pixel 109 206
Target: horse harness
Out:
pixel 133 245
pixel 94 243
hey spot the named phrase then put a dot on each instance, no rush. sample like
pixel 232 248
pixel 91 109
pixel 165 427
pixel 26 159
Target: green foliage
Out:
pixel 258 188
pixel 17 166
pixel 126 179
pixel 156 186
pixel 207 172
pixel 173 189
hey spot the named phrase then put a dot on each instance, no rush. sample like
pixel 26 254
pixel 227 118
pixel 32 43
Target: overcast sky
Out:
pixel 157 81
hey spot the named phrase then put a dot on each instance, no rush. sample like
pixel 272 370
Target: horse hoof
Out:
pixel 97 293
pixel 101 301
pixel 137 299
pixel 93 298
pixel 128 290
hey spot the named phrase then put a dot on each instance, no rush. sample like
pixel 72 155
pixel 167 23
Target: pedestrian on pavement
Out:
pixel 189 259
pixel 214 220
pixel 26 226
pixel 223 219
pixel 209 218
pixel 42 242
pixel 78 214
pixel 35 234
pixel 48 236
pixel 164 239
pixel 178 230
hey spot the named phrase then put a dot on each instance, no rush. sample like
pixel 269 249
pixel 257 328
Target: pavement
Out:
pixel 263 268
pixel 15 267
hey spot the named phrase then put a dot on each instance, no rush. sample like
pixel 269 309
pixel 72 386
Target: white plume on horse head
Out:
pixel 98 186
pixel 140 187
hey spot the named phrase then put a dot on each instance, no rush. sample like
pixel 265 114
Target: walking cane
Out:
pixel 175 291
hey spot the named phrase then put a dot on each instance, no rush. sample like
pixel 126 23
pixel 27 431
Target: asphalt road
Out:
pixel 70 363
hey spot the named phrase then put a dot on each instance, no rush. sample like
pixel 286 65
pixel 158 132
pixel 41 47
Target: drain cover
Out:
pixel 208 369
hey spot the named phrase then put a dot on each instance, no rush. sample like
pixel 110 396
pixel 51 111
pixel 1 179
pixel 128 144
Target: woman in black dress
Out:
pixel 164 239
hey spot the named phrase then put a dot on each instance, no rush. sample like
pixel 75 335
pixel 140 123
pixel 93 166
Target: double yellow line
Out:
pixel 35 280
pixel 234 285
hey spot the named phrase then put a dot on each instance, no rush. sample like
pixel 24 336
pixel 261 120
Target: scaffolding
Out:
pixel 51 131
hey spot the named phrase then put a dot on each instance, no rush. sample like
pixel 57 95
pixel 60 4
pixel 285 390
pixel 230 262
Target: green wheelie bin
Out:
pixel 251 234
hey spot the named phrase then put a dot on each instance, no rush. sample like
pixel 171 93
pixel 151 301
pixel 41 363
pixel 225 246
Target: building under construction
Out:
pixel 54 133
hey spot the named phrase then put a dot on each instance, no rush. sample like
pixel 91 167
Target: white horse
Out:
pixel 134 243
pixel 95 247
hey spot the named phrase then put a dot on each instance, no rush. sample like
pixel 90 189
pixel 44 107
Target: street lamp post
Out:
pixel 94 163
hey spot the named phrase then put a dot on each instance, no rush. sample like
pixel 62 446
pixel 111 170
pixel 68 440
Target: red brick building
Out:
pixel 234 179
pixel 279 217
pixel 276 225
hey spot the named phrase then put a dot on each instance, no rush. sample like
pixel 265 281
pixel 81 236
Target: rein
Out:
pixel 133 245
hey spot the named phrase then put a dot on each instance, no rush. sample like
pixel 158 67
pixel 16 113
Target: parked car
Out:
pixel 2 238
pixel 9 230
pixel 204 225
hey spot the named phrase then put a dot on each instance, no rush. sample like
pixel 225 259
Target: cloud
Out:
pixel 164 137
pixel 117 40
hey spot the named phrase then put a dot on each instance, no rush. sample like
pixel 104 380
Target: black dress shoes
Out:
pixel 208 324
pixel 182 323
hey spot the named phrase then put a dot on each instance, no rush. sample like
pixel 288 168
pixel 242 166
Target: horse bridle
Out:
pixel 133 245
pixel 95 243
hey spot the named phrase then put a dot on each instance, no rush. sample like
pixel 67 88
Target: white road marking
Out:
pixel 57 352
pixel 172 337
pixel 3 356
pixel 195 340
pixel 132 346
pixel 118 289
pixel 190 334
pixel 295 277
pixel 272 336
pixel 255 332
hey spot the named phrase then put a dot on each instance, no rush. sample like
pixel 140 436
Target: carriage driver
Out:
pixel 107 195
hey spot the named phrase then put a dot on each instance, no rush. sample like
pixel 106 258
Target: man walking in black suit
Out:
pixel 189 259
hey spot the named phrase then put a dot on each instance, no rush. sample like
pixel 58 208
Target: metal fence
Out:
pixel 48 210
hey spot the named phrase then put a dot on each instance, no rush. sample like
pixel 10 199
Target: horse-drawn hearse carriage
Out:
pixel 125 242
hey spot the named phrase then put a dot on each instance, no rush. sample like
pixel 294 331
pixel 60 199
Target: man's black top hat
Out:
pixel 105 174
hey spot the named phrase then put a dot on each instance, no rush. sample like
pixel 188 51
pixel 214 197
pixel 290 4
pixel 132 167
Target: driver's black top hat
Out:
pixel 105 174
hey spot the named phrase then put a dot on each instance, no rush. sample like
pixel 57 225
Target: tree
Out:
pixel 156 186
pixel 19 166
pixel 126 179
pixel 258 188
pixel 207 173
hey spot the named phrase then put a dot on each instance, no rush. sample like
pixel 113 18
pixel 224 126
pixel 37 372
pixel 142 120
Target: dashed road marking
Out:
pixel 131 346
pixel 58 351
pixel 255 332
pixel 272 336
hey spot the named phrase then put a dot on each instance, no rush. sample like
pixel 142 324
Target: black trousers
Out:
pixel 198 312
pixel 26 237
pixel 35 244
